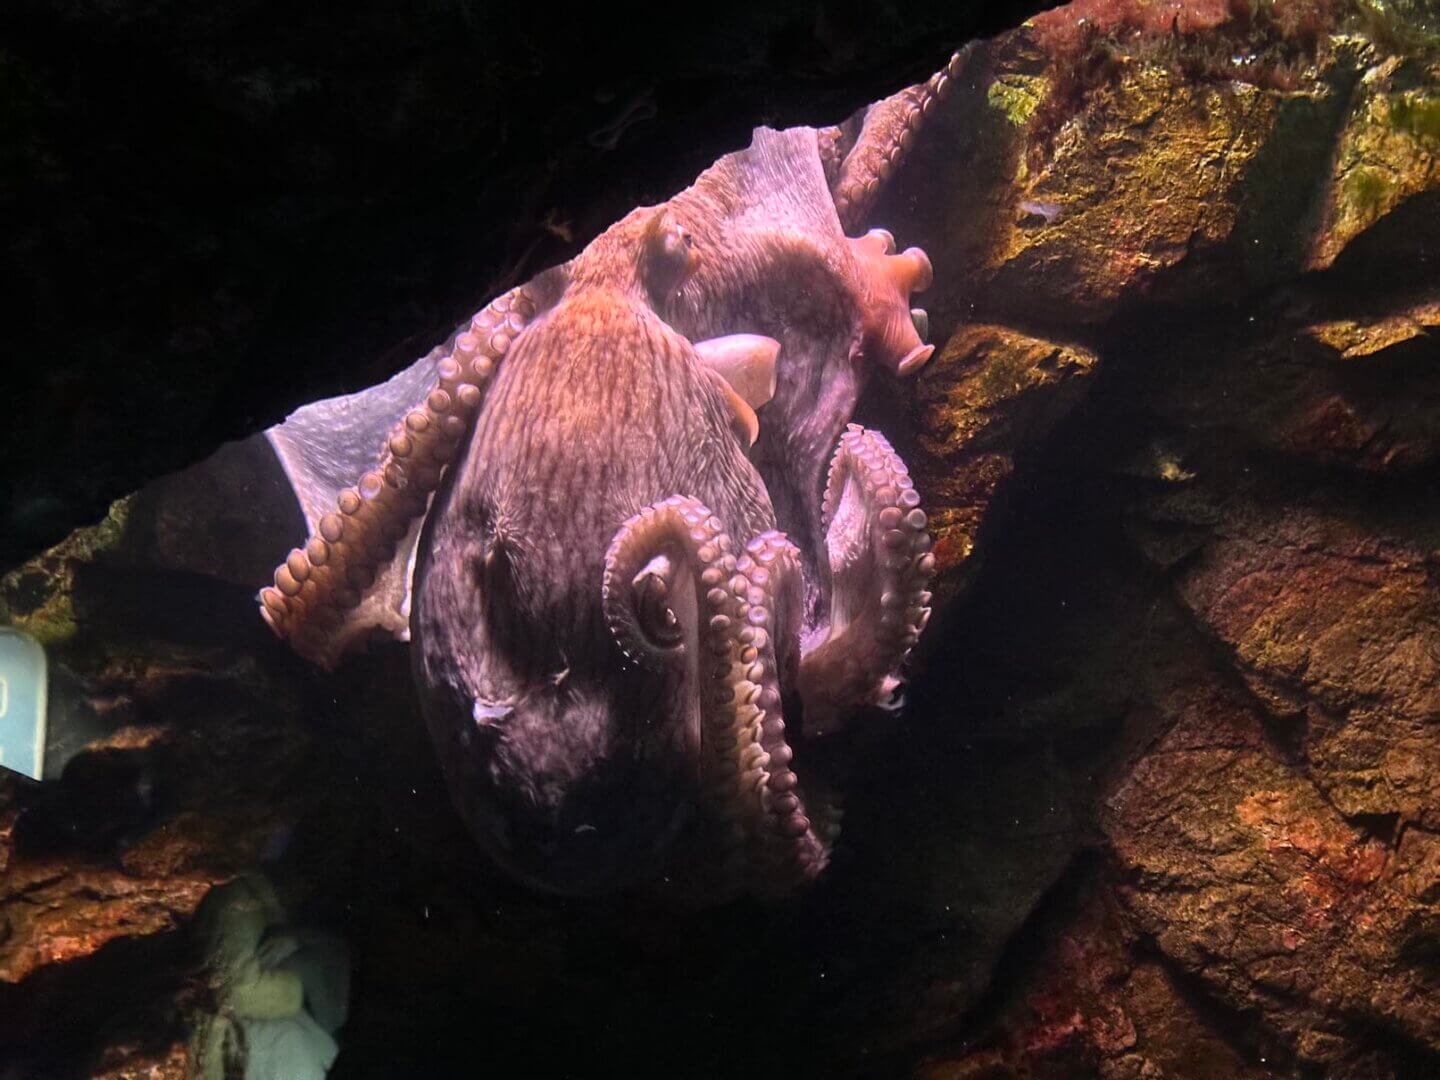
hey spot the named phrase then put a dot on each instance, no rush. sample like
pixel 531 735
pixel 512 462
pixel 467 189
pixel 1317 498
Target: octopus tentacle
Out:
pixel 880 568
pixel 320 584
pixel 886 134
pixel 791 839
pixel 832 145
pixel 748 790
pixel 891 331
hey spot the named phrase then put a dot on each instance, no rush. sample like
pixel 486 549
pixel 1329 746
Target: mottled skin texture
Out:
pixel 606 616
pixel 600 409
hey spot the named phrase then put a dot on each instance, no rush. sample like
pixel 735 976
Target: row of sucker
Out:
pixel 319 583
pixel 887 134
pixel 789 847
pixel 727 711
pixel 764 840
pixel 830 144
pixel 900 540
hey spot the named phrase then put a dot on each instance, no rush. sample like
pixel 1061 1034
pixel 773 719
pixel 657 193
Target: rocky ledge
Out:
pixel 1166 799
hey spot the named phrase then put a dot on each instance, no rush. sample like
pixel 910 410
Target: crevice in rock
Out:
pixel 1243 1030
pixel 1022 956
pixel 1409 1056
pixel 1384 827
pixel 57 1021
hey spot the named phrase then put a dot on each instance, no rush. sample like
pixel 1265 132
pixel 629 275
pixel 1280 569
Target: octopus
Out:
pixel 642 553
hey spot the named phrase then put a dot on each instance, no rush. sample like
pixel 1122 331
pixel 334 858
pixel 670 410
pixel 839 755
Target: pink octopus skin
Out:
pixel 576 770
pixel 615 599
pixel 571 776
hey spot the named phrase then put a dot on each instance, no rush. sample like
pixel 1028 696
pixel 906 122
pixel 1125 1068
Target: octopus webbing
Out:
pixel 627 523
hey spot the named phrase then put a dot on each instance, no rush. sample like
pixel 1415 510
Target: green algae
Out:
pixel 1403 27
pixel 1017 96
pixel 1416 114
pixel 1366 192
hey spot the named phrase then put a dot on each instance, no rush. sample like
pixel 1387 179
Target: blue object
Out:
pixel 23 695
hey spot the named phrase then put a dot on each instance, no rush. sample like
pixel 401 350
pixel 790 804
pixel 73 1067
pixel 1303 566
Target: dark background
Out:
pixel 211 213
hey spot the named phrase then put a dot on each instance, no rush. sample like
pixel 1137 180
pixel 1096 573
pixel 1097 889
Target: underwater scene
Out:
pixel 948 591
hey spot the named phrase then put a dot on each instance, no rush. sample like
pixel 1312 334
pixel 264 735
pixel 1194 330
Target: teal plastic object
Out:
pixel 23 696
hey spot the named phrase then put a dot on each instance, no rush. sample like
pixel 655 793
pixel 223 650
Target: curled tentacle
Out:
pixel 672 562
pixel 880 568
pixel 655 575
pixel 319 587
pixel 791 839
pixel 887 132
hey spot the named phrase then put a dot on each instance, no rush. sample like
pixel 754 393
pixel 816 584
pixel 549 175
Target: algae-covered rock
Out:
pixel 1145 182
pixel 38 596
pixel 1249 880
pixel 1387 154
pixel 1111 155
pixel 989 394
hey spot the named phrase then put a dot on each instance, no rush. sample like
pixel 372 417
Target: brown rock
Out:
pixel 1366 336
pixel 1333 626
pixel 1248 879
pixel 1388 152
pixel 1096 1005
pixel 991 393
pixel 137 1063
pixel 56 913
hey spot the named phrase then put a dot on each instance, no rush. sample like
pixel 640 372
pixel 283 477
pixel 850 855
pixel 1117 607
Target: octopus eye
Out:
pixel 657 618
pixel 651 606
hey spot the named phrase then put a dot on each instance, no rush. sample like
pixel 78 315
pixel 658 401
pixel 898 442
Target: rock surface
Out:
pixel 1166 798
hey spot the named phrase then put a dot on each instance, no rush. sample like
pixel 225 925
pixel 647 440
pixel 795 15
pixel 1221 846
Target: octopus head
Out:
pixel 576 766
pixel 582 792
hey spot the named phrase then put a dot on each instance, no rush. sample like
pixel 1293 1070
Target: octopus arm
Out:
pixel 364 468
pixel 323 447
pixel 862 154
pixel 880 566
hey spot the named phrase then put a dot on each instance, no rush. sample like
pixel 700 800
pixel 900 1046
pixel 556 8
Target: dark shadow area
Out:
pixel 214 216
pixel 56 1025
